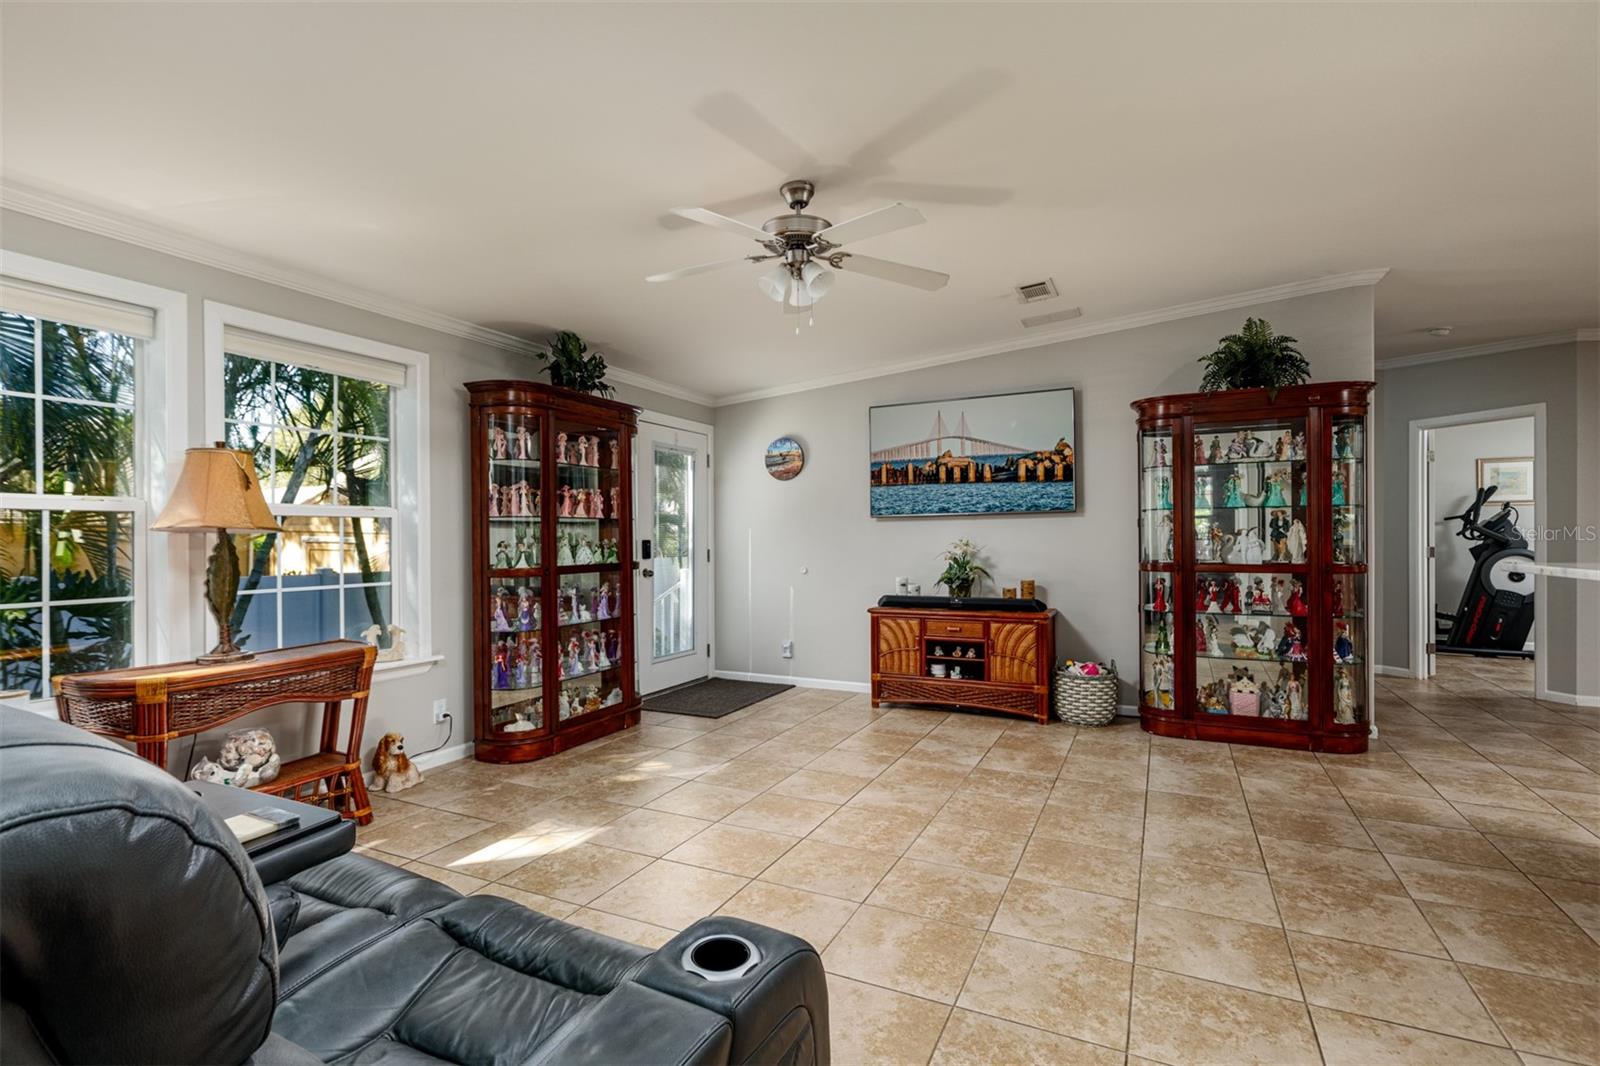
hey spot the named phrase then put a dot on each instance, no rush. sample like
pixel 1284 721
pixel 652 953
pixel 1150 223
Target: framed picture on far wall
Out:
pixel 1007 454
pixel 1512 478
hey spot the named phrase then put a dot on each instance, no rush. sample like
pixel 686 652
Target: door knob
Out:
pixel 647 573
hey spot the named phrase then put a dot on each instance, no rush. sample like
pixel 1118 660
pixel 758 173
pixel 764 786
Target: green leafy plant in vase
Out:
pixel 1254 358
pixel 962 569
pixel 570 365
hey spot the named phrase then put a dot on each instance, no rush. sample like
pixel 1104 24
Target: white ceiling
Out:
pixel 511 164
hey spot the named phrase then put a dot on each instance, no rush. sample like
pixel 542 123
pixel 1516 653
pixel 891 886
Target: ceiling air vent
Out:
pixel 1034 291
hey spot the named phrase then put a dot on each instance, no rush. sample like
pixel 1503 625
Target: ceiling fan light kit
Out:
pixel 801 243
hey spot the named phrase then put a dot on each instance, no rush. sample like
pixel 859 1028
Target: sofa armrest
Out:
pixel 778 1007
pixel 637 1025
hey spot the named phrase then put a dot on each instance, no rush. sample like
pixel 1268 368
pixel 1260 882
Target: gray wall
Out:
pixel 402 705
pixel 802 559
pixel 1453 484
pixel 1562 377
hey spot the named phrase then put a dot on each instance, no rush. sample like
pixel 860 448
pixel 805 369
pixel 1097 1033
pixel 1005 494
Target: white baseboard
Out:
pixel 1571 699
pixel 1128 710
pixel 803 682
pixel 1392 671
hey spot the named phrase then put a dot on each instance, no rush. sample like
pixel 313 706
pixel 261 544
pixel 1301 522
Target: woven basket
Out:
pixel 1086 700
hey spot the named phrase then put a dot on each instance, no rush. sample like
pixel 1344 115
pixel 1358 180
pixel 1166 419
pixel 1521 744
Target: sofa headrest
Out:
pixel 133 927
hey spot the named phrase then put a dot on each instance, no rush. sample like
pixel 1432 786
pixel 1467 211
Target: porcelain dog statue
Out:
pixel 392 770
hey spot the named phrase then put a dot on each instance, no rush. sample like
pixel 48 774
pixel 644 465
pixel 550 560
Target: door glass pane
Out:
pixel 672 593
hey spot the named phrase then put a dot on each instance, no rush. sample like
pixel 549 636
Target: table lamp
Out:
pixel 218 492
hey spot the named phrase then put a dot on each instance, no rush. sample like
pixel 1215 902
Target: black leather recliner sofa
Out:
pixel 133 928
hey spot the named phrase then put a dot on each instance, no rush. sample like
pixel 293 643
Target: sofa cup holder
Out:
pixel 722 957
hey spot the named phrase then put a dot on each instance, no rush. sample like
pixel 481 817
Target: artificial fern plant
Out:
pixel 1253 358
pixel 571 367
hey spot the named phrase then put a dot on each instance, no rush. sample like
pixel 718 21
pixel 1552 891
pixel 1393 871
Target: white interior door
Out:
pixel 672 491
pixel 1430 564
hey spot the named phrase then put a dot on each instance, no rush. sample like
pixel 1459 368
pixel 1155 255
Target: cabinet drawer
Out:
pixel 936 627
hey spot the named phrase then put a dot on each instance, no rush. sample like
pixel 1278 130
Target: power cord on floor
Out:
pixel 450 728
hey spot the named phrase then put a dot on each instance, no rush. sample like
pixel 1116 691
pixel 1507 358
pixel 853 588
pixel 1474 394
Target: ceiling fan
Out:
pixel 802 243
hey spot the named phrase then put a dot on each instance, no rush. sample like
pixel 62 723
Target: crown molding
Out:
pixel 1510 344
pixel 65 211
pixel 1229 302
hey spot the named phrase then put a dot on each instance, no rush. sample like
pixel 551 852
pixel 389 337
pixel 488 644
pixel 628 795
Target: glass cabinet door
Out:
pixel 588 507
pixel 1349 631
pixel 1250 489
pixel 1250 644
pixel 1347 489
pixel 515 665
pixel 1157 523
pixel 1156 514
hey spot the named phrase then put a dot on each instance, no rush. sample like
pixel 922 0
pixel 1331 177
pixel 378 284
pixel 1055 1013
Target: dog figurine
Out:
pixel 392 770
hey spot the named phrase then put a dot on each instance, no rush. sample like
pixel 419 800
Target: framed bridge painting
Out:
pixel 1007 454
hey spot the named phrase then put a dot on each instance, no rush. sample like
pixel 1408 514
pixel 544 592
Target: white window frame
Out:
pixel 411 581
pixel 161 592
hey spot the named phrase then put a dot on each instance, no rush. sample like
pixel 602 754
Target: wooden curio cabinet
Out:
pixel 552 590
pixel 1253 527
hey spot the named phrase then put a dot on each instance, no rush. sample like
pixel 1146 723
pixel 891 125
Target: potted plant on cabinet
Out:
pixel 962 569
pixel 571 367
pixel 1255 357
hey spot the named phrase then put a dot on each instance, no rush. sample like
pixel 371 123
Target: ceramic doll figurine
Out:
pixel 1166 538
pixel 1199 452
pixel 1342 521
pixel 574 655
pixel 564 550
pixel 1248 549
pixel 519 668
pixel 1280 447
pixel 498 622
pixel 1217 543
pixel 1266 642
pixel 1338 597
pixel 580 606
pixel 1202 492
pixel 501 677
pixel 1212 646
pixel 613 645
pixel 497 443
pixel 1201 596
pixel 616 454
pixel 1162 643
pixel 612 548
pixel 1278 533
pixel 563 453
pixel 564 503
pixel 524 449
pixel 1344 699
pixel 1271 702
pixel 602 600
pixel 1275 496
pixel 1231 497
pixel 1163 678
pixel 1344 442
pixel 1164 500
pixel 616 505
pixel 1297 602
pixel 583 555
pixel 564 707
pixel 1344 650
pixel 1215 454
pixel 1294 700
pixel 1341 479
pixel 1288 639
pixel 522 561
pixel 1297 541
pixel 525 606
pixel 591 650
pixel 1280 596
pixel 1230 597
pixel 1297 448
pixel 1158 603
pixel 1258 595
pixel 1297 648
pixel 535 663
pixel 1161 453
pixel 502 556
pixel 1239 446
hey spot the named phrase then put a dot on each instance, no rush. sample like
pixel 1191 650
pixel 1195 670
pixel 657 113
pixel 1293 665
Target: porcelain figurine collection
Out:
pixel 574 549
pixel 573 702
pixel 516 443
pixel 516 499
pixel 579 450
pixel 1240 693
pixel 518 663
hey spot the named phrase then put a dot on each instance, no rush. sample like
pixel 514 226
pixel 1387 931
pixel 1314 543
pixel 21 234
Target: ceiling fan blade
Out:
pixel 732 225
pixel 698 268
pixel 916 277
pixel 873 224
pixel 937 193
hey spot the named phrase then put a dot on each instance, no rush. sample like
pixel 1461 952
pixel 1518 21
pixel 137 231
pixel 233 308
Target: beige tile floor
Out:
pixel 990 891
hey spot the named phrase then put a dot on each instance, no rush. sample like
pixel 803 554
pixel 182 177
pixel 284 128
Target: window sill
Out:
pixel 398 668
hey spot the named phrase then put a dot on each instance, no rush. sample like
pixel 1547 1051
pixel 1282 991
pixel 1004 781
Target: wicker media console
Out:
pixel 964 656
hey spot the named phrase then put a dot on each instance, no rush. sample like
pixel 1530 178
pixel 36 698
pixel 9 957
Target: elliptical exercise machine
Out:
pixel 1496 609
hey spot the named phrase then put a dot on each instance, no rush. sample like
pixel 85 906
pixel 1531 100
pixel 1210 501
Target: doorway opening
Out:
pixel 1476 490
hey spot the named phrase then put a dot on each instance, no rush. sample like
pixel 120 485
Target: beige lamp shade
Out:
pixel 217 490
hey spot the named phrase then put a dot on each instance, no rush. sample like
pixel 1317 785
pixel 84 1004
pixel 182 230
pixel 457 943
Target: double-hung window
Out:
pixel 74 458
pixel 325 426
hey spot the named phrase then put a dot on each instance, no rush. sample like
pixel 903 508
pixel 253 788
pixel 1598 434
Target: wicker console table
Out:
pixel 148 706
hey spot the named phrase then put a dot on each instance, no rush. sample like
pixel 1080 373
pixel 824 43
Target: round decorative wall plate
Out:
pixel 785 458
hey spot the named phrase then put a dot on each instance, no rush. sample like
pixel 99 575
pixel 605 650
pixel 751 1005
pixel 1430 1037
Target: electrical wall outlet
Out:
pixel 787 649
pixel 441 709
